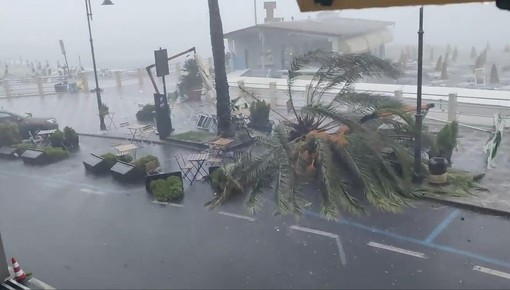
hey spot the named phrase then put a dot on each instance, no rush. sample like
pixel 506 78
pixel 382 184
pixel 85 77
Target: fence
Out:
pixel 34 86
pixel 471 107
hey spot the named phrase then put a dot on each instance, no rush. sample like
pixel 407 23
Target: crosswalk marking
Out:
pixel 491 272
pixel 397 250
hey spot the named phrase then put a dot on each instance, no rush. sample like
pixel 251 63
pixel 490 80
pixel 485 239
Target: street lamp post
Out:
pixel 419 114
pixel 102 125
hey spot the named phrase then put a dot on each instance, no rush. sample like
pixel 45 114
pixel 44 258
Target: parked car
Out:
pixel 28 124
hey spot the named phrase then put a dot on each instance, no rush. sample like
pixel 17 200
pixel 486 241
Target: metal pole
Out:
pixel 102 125
pixel 67 65
pixel 255 10
pixel 419 115
pixel 4 270
pixel 166 98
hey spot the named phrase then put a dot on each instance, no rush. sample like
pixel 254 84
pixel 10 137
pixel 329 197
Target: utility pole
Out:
pixel 4 270
pixel 255 10
pixel 419 116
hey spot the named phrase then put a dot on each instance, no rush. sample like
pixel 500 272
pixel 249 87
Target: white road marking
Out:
pixel 86 190
pixel 341 251
pixel 167 203
pixel 397 250
pixel 492 272
pixel 250 219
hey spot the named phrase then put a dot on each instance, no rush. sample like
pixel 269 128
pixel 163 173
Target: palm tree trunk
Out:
pixel 225 127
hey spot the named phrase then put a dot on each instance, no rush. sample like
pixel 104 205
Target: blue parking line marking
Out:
pixel 424 243
pixel 442 226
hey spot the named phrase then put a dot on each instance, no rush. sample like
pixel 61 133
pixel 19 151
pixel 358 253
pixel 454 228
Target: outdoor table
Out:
pixel 135 130
pixel 124 149
pixel 220 145
pixel 198 160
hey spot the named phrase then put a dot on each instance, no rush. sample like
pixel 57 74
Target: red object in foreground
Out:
pixel 18 272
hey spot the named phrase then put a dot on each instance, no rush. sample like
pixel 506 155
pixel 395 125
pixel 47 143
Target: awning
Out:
pixel 310 5
pixel 367 42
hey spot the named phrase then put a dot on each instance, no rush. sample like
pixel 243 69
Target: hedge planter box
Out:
pixel 8 152
pixel 150 178
pixel 124 172
pixel 34 156
pixel 96 164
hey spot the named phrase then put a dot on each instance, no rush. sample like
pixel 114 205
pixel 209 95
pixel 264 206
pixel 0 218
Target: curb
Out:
pixel 466 205
pixel 169 141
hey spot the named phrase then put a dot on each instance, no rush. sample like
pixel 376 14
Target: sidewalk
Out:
pixel 471 158
pixel 80 112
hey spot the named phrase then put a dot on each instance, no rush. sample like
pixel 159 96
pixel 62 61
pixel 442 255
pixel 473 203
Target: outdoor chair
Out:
pixel 145 134
pixel 152 168
pixel 185 167
pixel 37 140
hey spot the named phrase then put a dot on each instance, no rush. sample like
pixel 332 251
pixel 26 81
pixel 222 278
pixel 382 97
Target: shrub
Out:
pixel 140 163
pixel 57 139
pixel 125 158
pixel 54 154
pixel 166 190
pixel 9 134
pixel 110 159
pixel 146 113
pixel 70 136
pixel 22 147
pixel 259 114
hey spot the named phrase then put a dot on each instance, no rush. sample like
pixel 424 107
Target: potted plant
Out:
pixel 146 114
pixel 71 138
pixel 190 83
pixel 445 142
pixel 440 155
pixel 259 116
pixel 167 190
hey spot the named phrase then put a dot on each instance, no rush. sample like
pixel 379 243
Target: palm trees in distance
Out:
pixel 345 148
pixel 225 128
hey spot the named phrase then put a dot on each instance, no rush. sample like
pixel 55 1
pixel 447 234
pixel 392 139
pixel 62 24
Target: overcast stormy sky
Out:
pixel 127 33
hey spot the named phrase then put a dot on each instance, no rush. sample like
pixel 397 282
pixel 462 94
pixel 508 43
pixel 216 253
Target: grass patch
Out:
pixel 194 136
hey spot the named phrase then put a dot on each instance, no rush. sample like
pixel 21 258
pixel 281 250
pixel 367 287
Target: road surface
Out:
pixel 76 231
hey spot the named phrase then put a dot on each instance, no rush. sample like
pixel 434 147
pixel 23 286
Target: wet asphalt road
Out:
pixel 76 231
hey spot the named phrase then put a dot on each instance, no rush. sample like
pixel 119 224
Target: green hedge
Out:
pixel 140 163
pixel 145 114
pixel 111 159
pixel 55 154
pixel 9 134
pixel 22 147
pixel 166 190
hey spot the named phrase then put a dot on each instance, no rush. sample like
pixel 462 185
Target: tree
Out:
pixel 335 145
pixel 448 49
pixel 455 54
pixel 439 63
pixel 507 48
pixel 444 71
pixel 494 75
pixel 487 46
pixel 473 53
pixel 481 60
pixel 431 56
pixel 225 127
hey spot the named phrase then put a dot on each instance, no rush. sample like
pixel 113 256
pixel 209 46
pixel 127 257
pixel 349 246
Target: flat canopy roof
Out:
pixel 333 26
pixel 314 5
